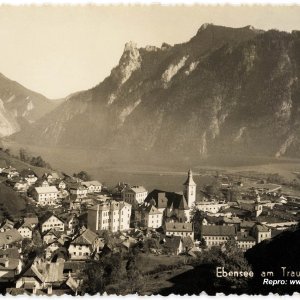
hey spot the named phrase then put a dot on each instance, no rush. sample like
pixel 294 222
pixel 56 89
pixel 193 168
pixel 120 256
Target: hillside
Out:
pixel 11 202
pixel 272 255
pixel 20 107
pixel 225 91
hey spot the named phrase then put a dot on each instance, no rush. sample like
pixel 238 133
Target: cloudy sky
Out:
pixel 60 50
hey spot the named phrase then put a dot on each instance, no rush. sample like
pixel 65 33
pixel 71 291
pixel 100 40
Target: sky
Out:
pixel 58 50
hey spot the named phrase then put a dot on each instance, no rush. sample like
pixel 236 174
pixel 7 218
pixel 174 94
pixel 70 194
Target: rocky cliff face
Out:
pixel 225 91
pixel 20 107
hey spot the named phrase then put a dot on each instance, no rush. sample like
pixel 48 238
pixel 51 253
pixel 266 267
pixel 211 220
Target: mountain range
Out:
pixel 225 91
pixel 20 107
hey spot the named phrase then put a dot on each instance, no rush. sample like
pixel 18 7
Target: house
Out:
pixel 42 277
pixel 171 205
pixel 45 195
pixel 25 230
pixel 75 202
pixel 111 215
pixel 93 186
pixel 10 264
pixel 134 194
pixel 51 221
pixel 42 183
pixel 83 246
pixel 29 176
pixel 19 185
pixel 179 229
pixel 72 224
pixel 51 236
pixel 216 235
pixel 10 238
pixel 62 185
pixel 261 232
pixel 31 221
pixel 245 241
pixel 52 247
pixel 51 177
pixel 7 225
pixel 212 207
pixel 10 172
pixel 78 190
pixel 149 216
pixel 173 245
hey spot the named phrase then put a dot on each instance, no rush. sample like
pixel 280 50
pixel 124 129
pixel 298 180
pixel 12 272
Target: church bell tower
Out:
pixel 189 190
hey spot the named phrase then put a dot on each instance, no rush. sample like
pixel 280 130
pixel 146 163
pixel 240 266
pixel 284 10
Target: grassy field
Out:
pixel 149 262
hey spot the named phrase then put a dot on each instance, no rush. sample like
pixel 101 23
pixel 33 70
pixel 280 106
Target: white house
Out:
pixel 25 231
pixel 45 195
pixel 179 229
pixel 111 215
pixel 84 245
pixel 51 222
pixel 93 186
pixel 149 216
pixel 62 185
pixel 10 172
pixel 134 194
pixel 78 190
pixel 29 176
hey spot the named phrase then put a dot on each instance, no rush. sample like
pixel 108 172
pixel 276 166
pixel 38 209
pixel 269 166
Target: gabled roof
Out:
pixel 31 221
pixel 136 189
pixel 262 228
pixel 47 216
pixel 9 170
pixel 163 199
pixel 218 230
pixel 10 253
pixel 149 208
pixel 46 189
pixel 88 237
pixel 27 172
pixel 10 236
pixel 92 182
pixel 245 238
pixel 176 226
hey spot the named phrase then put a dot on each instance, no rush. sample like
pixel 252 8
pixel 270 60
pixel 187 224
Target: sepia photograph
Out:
pixel 149 149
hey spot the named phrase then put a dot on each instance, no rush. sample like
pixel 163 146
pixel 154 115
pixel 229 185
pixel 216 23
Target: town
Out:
pixel 70 222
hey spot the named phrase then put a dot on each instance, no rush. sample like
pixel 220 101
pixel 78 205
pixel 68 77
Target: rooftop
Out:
pixel 218 230
pixel 176 226
pixel 46 189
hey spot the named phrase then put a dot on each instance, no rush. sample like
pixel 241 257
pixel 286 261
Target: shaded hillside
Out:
pixel 20 165
pixel 20 107
pixel 227 90
pixel 11 203
pixel 271 255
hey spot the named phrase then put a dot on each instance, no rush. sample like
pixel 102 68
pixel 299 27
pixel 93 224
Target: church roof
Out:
pixel 165 199
pixel 190 180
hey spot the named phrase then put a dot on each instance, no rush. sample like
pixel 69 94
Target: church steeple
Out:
pixel 190 189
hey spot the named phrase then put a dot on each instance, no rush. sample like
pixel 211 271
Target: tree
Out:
pixel 83 175
pixel 197 217
pixel 24 155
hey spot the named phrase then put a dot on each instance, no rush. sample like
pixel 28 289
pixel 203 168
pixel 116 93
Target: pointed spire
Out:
pixel 190 180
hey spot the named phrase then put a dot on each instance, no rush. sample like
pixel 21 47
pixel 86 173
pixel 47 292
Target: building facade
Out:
pixel 134 194
pixel 110 215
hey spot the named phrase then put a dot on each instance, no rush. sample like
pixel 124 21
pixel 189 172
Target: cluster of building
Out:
pixel 75 213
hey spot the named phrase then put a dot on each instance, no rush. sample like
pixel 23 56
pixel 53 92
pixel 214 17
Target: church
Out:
pixel 175 206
